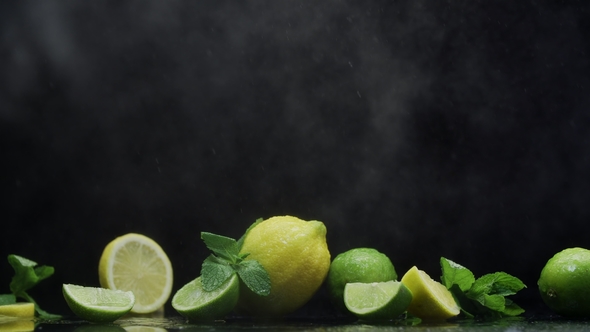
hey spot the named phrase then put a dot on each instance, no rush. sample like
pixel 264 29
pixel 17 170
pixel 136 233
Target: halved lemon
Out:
pixel 136 263
pixel 431 299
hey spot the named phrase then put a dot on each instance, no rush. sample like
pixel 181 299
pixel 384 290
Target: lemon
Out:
pixel 431 299
pixel 14 324
pixel 97 304
pixel 564 282
pixel 134 262
pixel 364 265
pixel 377 300
pixel 295 254
pixel 20 309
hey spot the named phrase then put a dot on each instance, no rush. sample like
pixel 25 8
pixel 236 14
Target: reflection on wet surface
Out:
pixel 150 324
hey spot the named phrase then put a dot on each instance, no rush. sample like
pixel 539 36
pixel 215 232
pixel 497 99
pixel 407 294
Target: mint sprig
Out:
pixel 482 297
pixel 227 260
pixel 27 275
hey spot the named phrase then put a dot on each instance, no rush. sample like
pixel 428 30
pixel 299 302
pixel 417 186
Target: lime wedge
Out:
pixel 20 309
pixel 98 304
pixel 377 300
pixel 196 304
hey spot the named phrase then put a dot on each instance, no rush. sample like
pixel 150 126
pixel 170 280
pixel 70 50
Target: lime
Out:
pixel 196 304
pixel 364 265
pixel 98 304
pixel 431 299
pixel 295 254
pixel 564 283
pixel 20 309
pixel 136 263
pixel 377 300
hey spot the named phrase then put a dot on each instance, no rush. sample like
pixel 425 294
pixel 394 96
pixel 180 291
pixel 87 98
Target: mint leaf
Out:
pixel 254 276
pixel 222 246
pixel 243 237
pixel 512 309
pixel 26 275
pixel 485 296
pixel 7 299
pixel 214 273
pixel 453 273
pixel 227 260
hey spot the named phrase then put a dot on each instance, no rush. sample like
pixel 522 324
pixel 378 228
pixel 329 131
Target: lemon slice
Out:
pixel 14 324
pixel 97 304
pixel 431 299
pixel 20 309
pixel 136 263
pixel 196 304
pixel 377 300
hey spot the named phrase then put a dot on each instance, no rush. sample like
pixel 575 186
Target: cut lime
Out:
pixel 364 265
pixel 377 300
pixel 98 304
pixel 20 309
pixel 196 304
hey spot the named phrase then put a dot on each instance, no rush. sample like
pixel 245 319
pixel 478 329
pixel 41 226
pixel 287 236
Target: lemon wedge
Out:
pixel 136 263
pixel 431 299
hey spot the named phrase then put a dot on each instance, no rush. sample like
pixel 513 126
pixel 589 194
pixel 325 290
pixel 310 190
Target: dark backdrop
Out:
pixel 420 128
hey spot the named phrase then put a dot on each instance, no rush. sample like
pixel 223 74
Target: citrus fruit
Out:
pixel 97 304
pixel 377 300
pixel 134 262
pixel 20 309
pixel 196 304
pixel 357 265
pixel 295 255
pixel 431 299
pixel 564 282
pixel 15 324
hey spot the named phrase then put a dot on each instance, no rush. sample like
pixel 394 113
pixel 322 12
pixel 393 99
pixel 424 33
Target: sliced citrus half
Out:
pixel 196 304
pixel 96 304
pixel 377 300
pixel 19 309
pixel 431 299
pixel 136 263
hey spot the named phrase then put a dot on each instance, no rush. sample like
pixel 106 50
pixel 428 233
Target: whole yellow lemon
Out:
pixel 295 254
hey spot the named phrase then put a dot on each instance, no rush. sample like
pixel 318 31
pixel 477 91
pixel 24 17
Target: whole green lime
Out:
pixel 363 265
pixel 564 283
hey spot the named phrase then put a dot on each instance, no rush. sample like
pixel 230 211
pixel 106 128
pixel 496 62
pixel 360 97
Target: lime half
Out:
pixel 196 304
pixel 377 300
pixel 99 305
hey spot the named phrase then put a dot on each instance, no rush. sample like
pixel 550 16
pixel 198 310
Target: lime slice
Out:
pixel 377 300
pixel 98 304
pixel 196 304
pixel 431 299
pixel 134 262
pixel 20 309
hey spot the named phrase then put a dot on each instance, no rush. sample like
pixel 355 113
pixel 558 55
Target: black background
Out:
pixel 420 128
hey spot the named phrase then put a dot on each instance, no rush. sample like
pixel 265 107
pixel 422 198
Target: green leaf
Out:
pixel 7 299
pixel 453 273
pixel 222 246
pixel 24 277
pixel 215 272
pixel 254 276
pixel 512 309
pixel 500 283
pixel 241 240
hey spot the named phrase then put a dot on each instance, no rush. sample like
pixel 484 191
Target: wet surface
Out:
pixel 312 324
